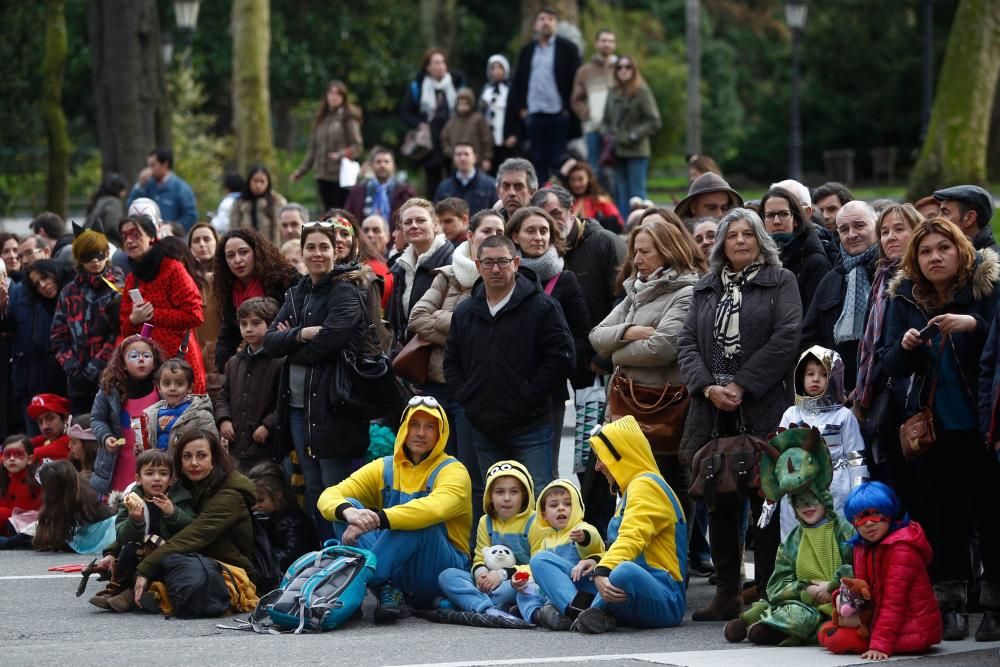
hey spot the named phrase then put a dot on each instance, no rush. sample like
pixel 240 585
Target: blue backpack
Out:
pixel 320 591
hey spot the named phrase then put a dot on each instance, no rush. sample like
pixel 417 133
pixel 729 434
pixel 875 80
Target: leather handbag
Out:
pixel 729 464
pixel 660 411
pixel 917 434
pixel 413 360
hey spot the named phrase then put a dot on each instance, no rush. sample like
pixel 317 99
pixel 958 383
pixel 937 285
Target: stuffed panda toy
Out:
pixel 499 558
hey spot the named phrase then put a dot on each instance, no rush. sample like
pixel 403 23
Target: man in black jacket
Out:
pixel 538 108
pixel 509 346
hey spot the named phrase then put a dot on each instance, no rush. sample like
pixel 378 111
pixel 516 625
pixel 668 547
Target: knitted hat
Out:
pixel 87 243
pixel 45 403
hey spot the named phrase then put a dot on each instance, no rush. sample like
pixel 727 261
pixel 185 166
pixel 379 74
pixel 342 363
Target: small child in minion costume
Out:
pixel 815 555
pixel 481 597
pixel 412 509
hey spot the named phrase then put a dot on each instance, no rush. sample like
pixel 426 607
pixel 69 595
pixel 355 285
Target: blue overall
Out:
pixel 460 587
pixel 655 599
pixel 534 598
pixel 410 559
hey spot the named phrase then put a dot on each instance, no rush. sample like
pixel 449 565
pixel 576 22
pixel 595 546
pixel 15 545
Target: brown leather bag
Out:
pixel 728 464
pixel 917 434
pixel 660 411
pixel 413 360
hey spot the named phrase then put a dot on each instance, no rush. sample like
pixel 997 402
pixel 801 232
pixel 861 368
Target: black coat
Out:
pixel 397 312
pixel 805 257
pixel 332 303
pixel 292 534
pixel 229 330
pixel 503 370
pixel 569 296
pixel 412 116
pixel 823 313
pixel 249 398
pixel 567 61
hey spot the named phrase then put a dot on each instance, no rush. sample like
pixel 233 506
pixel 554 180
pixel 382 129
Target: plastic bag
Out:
pixel 590 404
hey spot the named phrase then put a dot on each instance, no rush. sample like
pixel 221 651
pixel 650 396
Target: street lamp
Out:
pixel 186 15
pixel 795 15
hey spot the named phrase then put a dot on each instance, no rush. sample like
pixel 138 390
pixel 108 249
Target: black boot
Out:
pixel 989 627
pixel 951 596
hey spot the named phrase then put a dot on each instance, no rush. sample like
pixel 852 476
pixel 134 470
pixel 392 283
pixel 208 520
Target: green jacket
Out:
pixel 783 585
pixel 632 121
pixel 222 527
pixel 128 530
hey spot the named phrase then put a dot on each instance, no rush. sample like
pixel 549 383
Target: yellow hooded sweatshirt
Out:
pixel 449 501
pixel 648 518
pixel 515 525
pixel 547 538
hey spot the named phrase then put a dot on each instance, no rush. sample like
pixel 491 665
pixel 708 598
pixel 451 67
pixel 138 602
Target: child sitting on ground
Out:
pixel 561 530
pixel 178 409
pixel 50 413
pixel 289 529
pixel 819 402
pixel 82 446
pixel 72 516
pixel 19 489
pixel 150 511
pixel 891 554
pixel 509 519
pixel 247 409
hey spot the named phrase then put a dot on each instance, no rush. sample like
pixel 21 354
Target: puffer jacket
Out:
pixel 907 618
pixel 431 317
pixel 34 369
pixel 398 312
pixel 662 305
pixel 198 415
pixel 267 216
pixel 105 420
pixel 770 327
pixel 333 304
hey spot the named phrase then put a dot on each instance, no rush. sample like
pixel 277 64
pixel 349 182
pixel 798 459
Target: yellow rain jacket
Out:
pixel 516 531
pixel 547 538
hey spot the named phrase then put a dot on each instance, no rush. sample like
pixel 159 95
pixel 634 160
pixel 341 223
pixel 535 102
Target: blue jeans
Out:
pixel 547 136
pixel 698 545
pixel 594 143
pixel 630 181
pixel 460 588
pixel 317 473
pixel 533 449
pixel 653 600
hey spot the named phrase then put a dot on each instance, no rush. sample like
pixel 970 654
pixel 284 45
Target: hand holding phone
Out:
pixel 929 331
pixel 135 295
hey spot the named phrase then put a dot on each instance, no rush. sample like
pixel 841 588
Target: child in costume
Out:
pixel 819 402
pixel 152 509
pixel 178 410
pixel 562 535
pixel 510 520
pixel 814 556
pixel 291 532
pixel 19 489
pixel 892 554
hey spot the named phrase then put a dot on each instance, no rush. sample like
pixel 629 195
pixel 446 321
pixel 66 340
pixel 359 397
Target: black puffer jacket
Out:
pixel 570 298
pixel 804 256
pixel 333 304
pixel 504 369
pixel 770 325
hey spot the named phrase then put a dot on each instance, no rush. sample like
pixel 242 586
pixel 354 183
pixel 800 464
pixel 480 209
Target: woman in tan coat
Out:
pixel 258 206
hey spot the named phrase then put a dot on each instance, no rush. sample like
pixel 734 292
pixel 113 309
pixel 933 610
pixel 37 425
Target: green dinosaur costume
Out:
pixel 797 462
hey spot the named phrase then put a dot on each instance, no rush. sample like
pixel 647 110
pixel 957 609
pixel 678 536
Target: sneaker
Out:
pixel 594 621
pixel 549 617
pixel 502 619
pixel 391 605
pixel 444 603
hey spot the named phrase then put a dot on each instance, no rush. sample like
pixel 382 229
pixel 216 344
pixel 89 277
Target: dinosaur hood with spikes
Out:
pixel 797 460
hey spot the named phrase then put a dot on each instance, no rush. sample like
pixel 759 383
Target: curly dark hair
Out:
pixel 269 265
pixel 114 377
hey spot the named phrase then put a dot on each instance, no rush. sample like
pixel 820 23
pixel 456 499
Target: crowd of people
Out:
pixel 169 377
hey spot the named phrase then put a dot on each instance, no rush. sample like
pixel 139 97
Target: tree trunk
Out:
pixel 437 26
pixel 568 10
pixel 53 68
pixel 954 150
pixel 126 58
pixel 251 30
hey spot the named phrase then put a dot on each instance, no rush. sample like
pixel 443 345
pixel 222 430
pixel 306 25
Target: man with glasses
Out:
pixel 508 348
pixel 32 249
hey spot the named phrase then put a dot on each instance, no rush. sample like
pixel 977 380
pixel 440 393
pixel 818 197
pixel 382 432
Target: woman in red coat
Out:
pixel 892 554
pixel 170 301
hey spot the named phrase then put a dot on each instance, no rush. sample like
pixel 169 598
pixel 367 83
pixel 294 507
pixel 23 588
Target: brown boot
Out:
pixel 100 599
pixel 725 606
pixel 124 601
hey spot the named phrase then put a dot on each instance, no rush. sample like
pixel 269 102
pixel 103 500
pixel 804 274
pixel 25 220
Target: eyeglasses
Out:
pixel 28 253
pixel 16 453
pixel 136 355
pixel 425 401
pixel 780 215
pixel 501 263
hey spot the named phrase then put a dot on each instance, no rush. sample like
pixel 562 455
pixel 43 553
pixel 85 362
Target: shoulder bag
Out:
pixel 917 433
pixel 413 360
pixel 660 411
pixel 728 464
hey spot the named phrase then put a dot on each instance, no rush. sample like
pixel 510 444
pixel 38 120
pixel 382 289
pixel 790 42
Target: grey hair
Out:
pixel 298 208
pixel 561 194
pixel 861 207
pixel 769 253
pixel 521 165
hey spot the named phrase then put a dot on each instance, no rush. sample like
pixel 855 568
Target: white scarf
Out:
pixel 463 266
pixel 429 90
pixel 409 260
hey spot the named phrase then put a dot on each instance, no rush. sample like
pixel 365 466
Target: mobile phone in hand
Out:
pixel 929 331
pixel 135 295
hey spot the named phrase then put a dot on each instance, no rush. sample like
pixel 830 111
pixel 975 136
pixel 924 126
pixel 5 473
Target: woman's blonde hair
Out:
pixel 923 290
pixel 906 212
pixel 419 203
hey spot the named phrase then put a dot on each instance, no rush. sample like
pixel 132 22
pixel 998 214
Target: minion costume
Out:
pixel 556 546
pixel 648 555
pixel 425 511
pixel 459 585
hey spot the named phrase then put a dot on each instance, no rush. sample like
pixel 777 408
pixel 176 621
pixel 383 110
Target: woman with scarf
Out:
pixel 640 334
pixel 85 324
pixel 836 318
pixel 737 352
pixel 431 99
pixel 801 250
pixel 169 299
pixel 878 399
pixel 540 247
pixel 258 205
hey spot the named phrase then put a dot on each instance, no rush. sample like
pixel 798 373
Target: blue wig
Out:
pixel 875 496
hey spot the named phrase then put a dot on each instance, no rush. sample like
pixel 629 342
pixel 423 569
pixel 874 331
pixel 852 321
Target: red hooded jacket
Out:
pixel 19 495
pixel 907 619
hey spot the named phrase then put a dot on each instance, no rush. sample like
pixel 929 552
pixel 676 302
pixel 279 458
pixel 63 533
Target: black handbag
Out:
pixel 878 413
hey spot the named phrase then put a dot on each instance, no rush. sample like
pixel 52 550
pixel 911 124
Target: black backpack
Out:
pixel 264 562
pixel 195 586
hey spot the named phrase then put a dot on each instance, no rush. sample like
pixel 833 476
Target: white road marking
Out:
pixel 42 576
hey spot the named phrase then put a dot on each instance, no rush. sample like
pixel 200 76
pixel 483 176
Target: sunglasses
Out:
pixel 94 257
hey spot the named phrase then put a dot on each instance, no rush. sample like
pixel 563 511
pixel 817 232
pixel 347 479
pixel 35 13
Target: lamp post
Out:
pixel 186 16
pixel 795 15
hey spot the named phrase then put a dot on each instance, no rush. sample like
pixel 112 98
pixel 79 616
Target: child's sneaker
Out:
pixel 391 605
pixel 594 621
pixel 549 617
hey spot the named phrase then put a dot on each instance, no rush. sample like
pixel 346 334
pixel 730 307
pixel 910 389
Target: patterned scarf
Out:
pixel 727 313
pixel 851 323
pixel 878 306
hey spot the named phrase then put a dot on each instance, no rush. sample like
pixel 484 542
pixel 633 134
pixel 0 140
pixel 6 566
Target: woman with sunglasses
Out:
pixel 320 318
pixel 85 324
pixel 631 117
